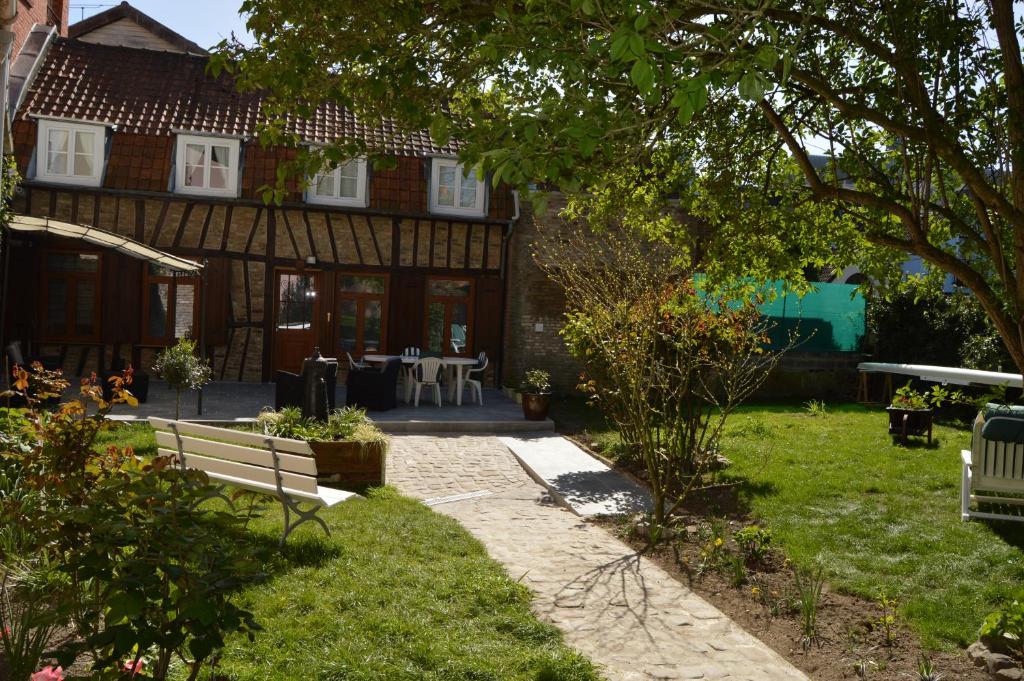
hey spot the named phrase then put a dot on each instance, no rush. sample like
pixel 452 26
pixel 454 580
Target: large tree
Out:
pixel 919 104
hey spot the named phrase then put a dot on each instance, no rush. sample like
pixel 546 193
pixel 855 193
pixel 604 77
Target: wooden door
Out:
pixel 296 317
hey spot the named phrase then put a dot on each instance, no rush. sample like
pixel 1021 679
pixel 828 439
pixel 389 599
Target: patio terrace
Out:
pixel 233 401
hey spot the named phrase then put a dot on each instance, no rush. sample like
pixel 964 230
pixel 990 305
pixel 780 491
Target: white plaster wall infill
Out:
pixel 578 481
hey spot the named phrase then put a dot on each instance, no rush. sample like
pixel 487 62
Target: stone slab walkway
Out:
pixel 583 484
pixel 623 612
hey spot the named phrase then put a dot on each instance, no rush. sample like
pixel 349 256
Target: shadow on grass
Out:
pixel 307 547
pixel 1011 532
pixel 731 497
pixel 917 443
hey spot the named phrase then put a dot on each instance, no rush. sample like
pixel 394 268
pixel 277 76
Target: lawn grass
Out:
pixel 836 491
pixel 138 436
pixel 396 592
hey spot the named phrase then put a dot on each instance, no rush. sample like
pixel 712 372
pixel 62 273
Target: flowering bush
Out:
pixel 136 561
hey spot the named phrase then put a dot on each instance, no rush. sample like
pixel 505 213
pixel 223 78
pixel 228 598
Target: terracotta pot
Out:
pixel 535 406
pixel 906 422
pixel 347 462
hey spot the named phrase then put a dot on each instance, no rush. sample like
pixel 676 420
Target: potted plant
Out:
pixel 349 449
pixel 182 369
pixel 911 412
pixel 536 392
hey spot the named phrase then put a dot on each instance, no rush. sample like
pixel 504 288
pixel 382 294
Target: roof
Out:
pixel 151 92
pixel 126 11
pixel 101 237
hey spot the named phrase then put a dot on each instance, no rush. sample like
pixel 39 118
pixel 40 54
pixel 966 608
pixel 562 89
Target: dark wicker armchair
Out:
pixel 288 387
pixel 373 389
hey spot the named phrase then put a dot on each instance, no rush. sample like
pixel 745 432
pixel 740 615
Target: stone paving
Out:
pixel 623 612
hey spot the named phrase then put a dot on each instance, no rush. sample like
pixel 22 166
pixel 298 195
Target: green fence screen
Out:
pixel 828 319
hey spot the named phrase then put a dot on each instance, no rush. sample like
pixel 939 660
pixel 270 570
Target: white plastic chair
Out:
pixel 476 386
pixel 411 351
pixel 427 372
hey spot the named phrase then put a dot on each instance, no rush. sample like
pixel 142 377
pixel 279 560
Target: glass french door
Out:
pixel 449 316
pixel 362 313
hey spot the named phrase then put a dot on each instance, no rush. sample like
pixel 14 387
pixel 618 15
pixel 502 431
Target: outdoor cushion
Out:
pixel 1005 410
pixel 1004 429
pixel 373 389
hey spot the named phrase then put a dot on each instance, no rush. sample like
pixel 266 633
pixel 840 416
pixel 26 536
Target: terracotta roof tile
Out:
pixel 148 92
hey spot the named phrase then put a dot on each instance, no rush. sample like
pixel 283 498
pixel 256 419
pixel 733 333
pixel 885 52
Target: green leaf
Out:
pixel 766 57
pixel 440 131
pixel 642 75
pixel 752 86
pixel 636 45
pixel 641 22
pixel 787 66
pixel 620 44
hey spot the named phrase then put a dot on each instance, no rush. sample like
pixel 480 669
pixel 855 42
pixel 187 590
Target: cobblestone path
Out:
pixel 623 612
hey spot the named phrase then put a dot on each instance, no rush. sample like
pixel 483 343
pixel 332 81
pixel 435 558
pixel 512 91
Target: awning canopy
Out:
pixel 101 237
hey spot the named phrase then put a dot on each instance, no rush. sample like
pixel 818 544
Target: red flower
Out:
pixel 48 674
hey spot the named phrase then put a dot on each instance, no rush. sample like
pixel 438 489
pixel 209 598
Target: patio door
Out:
pixel 362 313
pixel 296 317
pixel 449 318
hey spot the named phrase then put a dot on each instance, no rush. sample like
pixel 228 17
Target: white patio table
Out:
pixel 456 363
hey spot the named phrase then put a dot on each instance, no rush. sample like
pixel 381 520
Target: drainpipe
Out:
pixel 505 239
pixel 8 11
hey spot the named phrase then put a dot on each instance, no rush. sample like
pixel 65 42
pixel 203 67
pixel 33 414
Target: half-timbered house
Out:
pixel 119 127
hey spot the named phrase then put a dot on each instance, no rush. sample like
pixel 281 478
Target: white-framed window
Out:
pixel 342 186
pixel 70 153
pixel 453 192
pixel 206 165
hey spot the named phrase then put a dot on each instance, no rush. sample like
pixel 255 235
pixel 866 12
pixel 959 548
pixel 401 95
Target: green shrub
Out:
pixel 941 329
pixel 163 571
pixel 347 423
pixel 755 543
pixel 15 431
pixel 1003 630
pixel 182 369
pixel 121 552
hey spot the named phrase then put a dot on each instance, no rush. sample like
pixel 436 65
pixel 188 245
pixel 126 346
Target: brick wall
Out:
pixel 534 309
pixel 38 12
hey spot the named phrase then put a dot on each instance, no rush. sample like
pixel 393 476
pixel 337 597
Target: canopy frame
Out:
pixel 104 238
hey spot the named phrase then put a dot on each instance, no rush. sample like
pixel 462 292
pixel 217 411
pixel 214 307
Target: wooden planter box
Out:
pixel 906 422
pixel 351 463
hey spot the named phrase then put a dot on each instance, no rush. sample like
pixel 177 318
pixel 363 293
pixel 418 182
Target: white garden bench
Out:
pixel 276 466
pixel 993 466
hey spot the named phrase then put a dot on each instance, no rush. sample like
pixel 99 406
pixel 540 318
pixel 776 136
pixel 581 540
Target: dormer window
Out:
pixel 70 153
pixel 206 165
pixel 341 186
pixel 453 192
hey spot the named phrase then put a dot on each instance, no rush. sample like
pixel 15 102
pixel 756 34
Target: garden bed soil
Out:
pixel 850 634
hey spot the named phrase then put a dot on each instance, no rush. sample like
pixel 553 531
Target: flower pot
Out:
pixel 535 406
pixel 351 463
pixel 906 422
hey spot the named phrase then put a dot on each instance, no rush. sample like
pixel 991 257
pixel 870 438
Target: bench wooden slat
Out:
pixel 241 437
pixel 294 463
pixel 324 496
pixel 289 481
